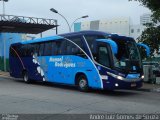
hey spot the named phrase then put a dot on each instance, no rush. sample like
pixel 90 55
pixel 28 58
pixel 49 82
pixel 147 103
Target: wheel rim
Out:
pixel 82 83
pixel 25 78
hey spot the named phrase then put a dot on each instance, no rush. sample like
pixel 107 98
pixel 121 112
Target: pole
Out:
pixel 3 8
pixel 56 26
pixel 41 35
pixel 78 19
pixel 4 56
pixel 66 21
pixel 75 21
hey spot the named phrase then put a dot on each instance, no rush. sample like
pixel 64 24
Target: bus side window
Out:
pixel 54 48
pixel 48 49
pixel 24 49
pixel 103 56
pixel 72 49
pixel 41 49
pixel 29 48
pixel 77 40
pixel 36 49
pixel 12 52
pixel 61 47
pixel 91 39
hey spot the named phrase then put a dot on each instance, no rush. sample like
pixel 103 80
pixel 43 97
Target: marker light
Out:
pixel 116 85
pixel 142 77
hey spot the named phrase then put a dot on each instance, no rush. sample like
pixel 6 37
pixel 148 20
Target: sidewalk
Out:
pixel 148 87
pixel 5 74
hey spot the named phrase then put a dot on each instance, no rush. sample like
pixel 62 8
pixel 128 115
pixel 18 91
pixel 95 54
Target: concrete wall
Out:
pixel 136 30
pixel 119 25
pixel 85 25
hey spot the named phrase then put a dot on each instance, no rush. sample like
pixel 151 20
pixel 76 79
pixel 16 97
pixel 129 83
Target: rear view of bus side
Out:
pixel 87 59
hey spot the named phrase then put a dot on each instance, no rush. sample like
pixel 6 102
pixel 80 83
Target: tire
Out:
pixel 82 83
pixel 26 78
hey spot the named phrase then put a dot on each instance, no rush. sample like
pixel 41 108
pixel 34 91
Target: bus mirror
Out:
pixel 147 49
pixel 111 43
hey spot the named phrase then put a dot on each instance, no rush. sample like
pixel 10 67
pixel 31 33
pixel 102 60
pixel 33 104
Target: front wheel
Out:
pixel 83 83
pixel 25 77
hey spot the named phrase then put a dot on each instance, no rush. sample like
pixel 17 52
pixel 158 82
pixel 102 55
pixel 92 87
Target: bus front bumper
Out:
pixel 113 84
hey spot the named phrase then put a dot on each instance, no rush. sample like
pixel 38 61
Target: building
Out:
pixel 118 25
pixel 136 31
pixel 5 40
pixel 121 26
pixel 145 18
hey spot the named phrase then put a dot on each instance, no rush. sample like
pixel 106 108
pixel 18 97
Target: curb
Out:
pixel 5 75
pixel 148 88
pixel 155 90
pixel 144 89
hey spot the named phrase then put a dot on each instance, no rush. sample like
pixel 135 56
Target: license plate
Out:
pixel 133 85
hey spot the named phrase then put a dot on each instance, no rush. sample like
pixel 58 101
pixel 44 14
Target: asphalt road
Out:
pixel 17 97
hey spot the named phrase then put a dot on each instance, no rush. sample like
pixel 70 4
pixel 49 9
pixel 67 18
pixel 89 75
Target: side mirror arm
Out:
pixel 146 48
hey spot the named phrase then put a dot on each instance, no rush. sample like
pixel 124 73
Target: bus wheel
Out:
pixel 83 83
pixel 25 77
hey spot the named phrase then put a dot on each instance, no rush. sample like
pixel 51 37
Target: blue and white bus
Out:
pixel 87 59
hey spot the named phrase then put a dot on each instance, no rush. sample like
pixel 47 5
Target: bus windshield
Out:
pixel 128 57
pixel 127 60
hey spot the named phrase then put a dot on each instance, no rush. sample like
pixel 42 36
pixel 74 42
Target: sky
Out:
pixel 72 9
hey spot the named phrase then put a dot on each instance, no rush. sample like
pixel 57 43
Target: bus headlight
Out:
pixel 142 76
pixel 119 77
pixel 115 76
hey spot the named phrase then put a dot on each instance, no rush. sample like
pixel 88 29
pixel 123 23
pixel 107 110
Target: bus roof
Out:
pixel 84 32
pixel 60 36
pixel 87 32
pixel 42 39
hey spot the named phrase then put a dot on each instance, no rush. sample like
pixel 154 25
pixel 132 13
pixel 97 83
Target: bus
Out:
pixel 86 59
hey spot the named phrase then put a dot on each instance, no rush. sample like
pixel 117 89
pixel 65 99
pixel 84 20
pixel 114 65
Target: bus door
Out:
pixel 104 50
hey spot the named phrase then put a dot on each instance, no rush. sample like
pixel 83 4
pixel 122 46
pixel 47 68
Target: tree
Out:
pixel 154 6
pixel 151 35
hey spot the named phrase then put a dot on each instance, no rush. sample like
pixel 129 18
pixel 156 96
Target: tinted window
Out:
pixel 72 49
pixel 91 39
pixel 48 48
pixel 61 47
pixel 12 52
pixel 103 56
pixel 41 49
pixel 77 40
pixel 36 48
pixel 24 50
pixel 54 48
pixel 30 50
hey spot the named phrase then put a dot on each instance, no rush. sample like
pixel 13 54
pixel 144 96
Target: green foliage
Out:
pixel 2 64
pixel 151 35
pixel 154 6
